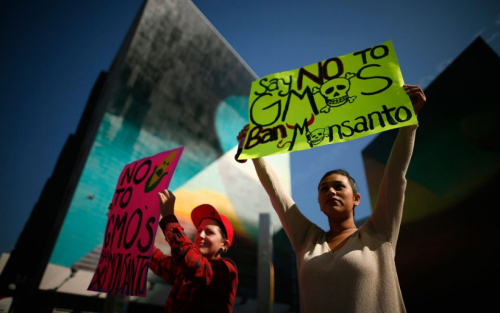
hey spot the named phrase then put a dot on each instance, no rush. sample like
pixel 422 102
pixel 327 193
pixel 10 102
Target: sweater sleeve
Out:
pixel 387 214
pixel 192 263
pixel 296 225
pixel 163 265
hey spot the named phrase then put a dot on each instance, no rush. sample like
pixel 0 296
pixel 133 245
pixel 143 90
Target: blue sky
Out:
pixel 53 51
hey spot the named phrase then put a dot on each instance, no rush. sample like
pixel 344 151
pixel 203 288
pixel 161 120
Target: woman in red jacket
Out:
pixel 202 280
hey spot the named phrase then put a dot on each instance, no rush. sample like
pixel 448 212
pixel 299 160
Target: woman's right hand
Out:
pixel 243 133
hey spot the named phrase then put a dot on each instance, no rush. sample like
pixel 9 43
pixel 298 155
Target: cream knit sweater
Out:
pixel 361 276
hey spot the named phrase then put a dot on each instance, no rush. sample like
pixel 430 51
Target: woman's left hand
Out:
pixel 167 202
pixel 417 97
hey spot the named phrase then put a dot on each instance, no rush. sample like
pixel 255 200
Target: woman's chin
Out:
pixel 333 211
pixel 206 252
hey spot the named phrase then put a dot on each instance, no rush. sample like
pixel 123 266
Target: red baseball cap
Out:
pixel 207 211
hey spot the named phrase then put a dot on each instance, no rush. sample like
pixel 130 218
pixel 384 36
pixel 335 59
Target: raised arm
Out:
pixel 387 214
pixel 184 253
pixel 163 265
pixel 296 225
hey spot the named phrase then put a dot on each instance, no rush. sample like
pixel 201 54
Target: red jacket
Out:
pixel 199 284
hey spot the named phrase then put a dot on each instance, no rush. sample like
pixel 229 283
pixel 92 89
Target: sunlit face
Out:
pixel 208 239
pixel 335 196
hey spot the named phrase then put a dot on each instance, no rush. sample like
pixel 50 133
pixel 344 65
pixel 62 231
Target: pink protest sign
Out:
pixel 132 224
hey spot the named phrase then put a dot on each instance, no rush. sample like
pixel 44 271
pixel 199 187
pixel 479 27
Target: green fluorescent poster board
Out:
pixel 336 100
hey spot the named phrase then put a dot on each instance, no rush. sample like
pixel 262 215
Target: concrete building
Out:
pixel 174 82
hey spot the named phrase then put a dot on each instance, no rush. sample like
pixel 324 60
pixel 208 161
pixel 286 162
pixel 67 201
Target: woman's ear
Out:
pixel 225 245
pixel 357 199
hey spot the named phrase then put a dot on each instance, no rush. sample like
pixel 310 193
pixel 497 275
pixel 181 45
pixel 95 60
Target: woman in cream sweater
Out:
pixel 348 269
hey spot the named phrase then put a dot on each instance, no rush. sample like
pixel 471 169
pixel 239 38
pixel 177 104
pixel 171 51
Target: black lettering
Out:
pixel 118 192
pixel 301 130
pixel 127 274
pixel 106 256
pixel 323 72
pixel 97 278
pixel 282 130
pixel 133 272
pixel 259 135
pixel 387 79
pixel 339 132
pixel 116 264
pixel 373 53
pixel 388 116
pixel 363 54
pixel 128 175
pixel 369 122
pixel 340 68
pixel 119 226
pixel 273 85
pixel 124 203
pixel 380 119
pixel 407 112
pixel 108 234
pixel 150 231
pixel 273 115
pixel 350 128
pixel 267 135
pixel 265 92
pixel 385 52
pixel 253 137
pixel 137 181
pixel 289 84
pixel 128 244
pixel 318 79
pixel 310 97
pixel 143 271
pixel 128 270
pixel 362 123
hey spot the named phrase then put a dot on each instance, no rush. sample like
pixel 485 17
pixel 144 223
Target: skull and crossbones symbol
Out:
pixel 315 137
pixel 335 91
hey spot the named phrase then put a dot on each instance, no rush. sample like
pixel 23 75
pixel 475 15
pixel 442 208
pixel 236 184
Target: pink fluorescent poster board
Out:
pixel 132 224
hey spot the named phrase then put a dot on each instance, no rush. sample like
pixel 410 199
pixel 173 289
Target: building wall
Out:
pixel 177 83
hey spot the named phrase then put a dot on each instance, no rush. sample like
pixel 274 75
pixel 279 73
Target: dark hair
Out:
pixel 354 186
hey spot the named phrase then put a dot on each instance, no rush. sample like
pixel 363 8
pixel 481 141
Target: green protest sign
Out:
pixel 336 100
